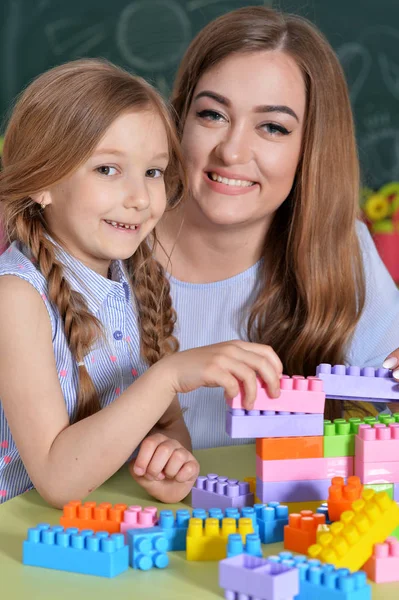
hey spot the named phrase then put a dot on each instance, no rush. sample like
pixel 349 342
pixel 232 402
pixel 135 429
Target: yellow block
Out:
pixel 350 540
pixel 252 485
pixel 208 541
pixel 296 507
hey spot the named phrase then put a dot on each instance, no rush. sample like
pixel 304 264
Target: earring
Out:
pixel 43 205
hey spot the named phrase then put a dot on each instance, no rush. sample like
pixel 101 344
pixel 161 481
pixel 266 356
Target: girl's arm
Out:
pixel 64 461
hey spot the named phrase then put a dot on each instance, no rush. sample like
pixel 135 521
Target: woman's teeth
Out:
pixel 121 225
pixel 237 182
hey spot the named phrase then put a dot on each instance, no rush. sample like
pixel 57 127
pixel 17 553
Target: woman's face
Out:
pixel 242 138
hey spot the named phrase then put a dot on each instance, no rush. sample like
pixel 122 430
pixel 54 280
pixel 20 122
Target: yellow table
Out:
pixel 181 580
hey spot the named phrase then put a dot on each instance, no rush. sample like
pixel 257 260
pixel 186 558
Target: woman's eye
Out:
pixel 106 170
pixel 274 129
pixel 210 115
pixel 154 173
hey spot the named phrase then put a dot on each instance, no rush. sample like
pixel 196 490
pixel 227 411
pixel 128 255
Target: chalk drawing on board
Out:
pixel 196 4
pixel 156 50
pixel 61 39
pixel 356 59
pixel 374 147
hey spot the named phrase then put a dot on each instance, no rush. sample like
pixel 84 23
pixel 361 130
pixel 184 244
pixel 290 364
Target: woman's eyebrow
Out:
pixel 265 108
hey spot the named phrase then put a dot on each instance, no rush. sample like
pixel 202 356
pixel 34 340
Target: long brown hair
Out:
pixel 313 288
pixel 54 128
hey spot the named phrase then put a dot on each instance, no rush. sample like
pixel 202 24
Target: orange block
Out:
pixel 290 447
pixel 103 517
pixel 301 531
pixel 341 496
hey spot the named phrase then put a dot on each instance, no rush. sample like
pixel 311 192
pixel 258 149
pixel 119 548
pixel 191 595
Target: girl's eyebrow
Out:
pixel 121 153
pixel 266 108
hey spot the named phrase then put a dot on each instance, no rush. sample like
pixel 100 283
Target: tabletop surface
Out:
pixel 180 580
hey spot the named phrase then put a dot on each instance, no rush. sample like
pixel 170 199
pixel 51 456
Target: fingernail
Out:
pixel 396 374
pixel 390 363
pixel 138 470
pixel 150 477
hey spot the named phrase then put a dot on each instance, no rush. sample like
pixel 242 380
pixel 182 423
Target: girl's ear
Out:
pixel 42 198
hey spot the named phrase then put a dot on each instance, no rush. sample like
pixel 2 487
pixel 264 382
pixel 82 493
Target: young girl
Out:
pixel 90 158
pixel 266 246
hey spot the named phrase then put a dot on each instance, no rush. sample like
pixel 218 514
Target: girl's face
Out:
pixel 106 208
pixel 242 138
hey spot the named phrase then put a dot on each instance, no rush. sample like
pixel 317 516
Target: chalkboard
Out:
pixel 148 37
pixel 365 35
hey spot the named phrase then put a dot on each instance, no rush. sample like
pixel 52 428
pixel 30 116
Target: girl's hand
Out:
pixel 225 365
pixel 164 468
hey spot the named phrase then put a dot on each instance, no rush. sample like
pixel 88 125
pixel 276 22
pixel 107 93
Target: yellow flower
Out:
pixel 377 207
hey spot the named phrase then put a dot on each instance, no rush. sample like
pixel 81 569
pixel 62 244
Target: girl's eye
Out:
pixel 210 115
pixel 106 170
pixel 154 173
pixel 274 129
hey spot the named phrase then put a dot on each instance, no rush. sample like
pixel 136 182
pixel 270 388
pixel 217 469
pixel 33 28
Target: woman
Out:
pixel 267 246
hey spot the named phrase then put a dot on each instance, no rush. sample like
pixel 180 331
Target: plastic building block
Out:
pixel 252 484
pixel 271 519
pixel 324 582
pixel 135 517
pixel 377 472
pixel 207 540
pixel 236 546
pixel 147 548
pixel 84 552
pixel 247 577
pixel 300 533
pixel 341 496
pixel 339 437
pixel 382 487
pixel 396 492
pixel 295 393
pixel 323 510
pixel 383 566
pixel 304 468
pixel 220 492
pixel 292 491
pixel 379 443
pixel 354 383
pixel 103 517
pixel 351 539
pixel 288 447
pixel 175 530
pixel 259 424
pixel 296 507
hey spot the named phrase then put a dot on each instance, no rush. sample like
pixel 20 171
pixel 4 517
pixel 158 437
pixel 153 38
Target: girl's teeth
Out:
pixel 236 182
pixel 121 225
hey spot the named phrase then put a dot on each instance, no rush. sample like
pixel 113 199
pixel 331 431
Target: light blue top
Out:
pixel 113 363
pixel 214 312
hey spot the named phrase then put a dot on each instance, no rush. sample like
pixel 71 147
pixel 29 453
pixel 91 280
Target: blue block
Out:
pixel 80 552
pixel 147 548
pixel 175 530
pixel 235 546
pixel 271 519
pixel 318 581
pixel 323 510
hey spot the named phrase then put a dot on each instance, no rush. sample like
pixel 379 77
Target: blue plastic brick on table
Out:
pixel 69 549
pixel 147 548
pixel 267 423
pixel 245 576
pixel 235 546
pixel 318 581
pixel 355 383
pixel 323 510
pixel 271 519
pixel 175 529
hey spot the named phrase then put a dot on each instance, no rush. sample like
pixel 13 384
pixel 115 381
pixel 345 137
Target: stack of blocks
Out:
pixel 215 491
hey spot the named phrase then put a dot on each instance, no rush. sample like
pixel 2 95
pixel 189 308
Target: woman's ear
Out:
pixel 42 198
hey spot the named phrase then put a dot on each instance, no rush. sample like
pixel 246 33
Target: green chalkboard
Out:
pixel 365 35
pixel 148 37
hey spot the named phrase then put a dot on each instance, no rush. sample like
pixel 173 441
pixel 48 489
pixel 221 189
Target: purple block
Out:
pixel 355 383
pixel 259 424
pixel 292 491
pixel 396 492
pixel 252 577
pixel 220 492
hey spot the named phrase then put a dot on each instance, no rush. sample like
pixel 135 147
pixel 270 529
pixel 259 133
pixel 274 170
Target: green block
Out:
pixel 395 533
pixel 381 487
pixel 339 436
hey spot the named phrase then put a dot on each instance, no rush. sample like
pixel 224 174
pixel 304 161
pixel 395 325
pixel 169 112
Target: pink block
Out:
pixel 377 472
pixel 298 469
pixel 298 394
pixel 135 517
pixel 383 566
pixel 377 444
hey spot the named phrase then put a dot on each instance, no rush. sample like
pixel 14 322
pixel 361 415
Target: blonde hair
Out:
pixel 54 128
pixel 313 288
